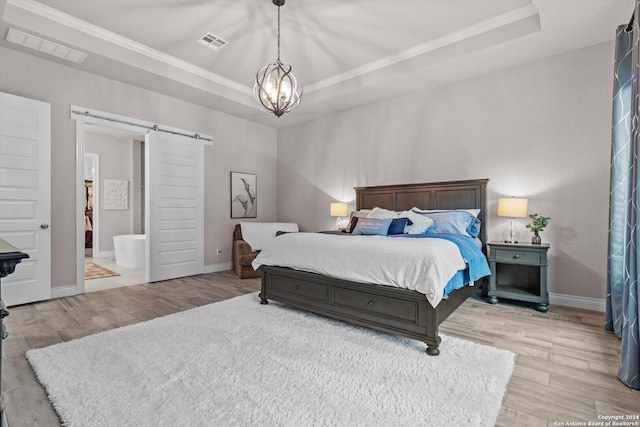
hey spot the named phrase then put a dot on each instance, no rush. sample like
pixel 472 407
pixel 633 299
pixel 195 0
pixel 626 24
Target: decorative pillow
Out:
pixel 454 222
pixel 372 226
pixel 420 223
pixel 356 214
pixel 352 224
pixel 380 213
pixel 397 225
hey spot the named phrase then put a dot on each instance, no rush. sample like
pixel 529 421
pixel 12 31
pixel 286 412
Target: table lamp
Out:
pixel 339 209
pixel 512 208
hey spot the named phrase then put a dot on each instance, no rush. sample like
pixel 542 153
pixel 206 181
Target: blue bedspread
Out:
pixel 475 259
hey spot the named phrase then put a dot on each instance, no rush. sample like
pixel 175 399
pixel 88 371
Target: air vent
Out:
pixel 212 41
pixel 44 46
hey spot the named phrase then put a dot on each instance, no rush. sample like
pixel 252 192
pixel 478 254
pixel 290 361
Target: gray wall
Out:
pixel 240 145
pixel 539 130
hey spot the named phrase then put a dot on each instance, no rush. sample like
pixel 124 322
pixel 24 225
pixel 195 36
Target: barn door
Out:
pixel 174 206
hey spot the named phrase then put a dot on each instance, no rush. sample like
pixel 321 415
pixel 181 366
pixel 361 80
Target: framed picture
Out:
pixel 244 195
pixel 116 194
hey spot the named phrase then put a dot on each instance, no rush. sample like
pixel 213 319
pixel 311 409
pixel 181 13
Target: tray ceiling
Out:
pixel 347 52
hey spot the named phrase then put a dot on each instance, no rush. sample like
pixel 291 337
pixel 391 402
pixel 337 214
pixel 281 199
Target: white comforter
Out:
pixel 423 265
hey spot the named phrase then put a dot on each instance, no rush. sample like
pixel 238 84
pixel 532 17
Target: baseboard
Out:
pixel 63 291
pixel 215 268
pixel 585 303
pixel 106 254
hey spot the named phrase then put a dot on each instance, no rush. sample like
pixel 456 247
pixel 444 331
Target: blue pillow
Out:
pixel 397 225
pixel 454 222
pixel 474 228
pixel 371 226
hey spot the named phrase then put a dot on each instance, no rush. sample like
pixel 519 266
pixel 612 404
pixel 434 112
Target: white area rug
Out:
pixel 237 362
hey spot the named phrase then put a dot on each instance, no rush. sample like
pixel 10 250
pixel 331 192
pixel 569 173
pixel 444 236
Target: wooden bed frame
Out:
pixel 384 308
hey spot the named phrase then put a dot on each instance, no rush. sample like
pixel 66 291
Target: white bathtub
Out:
pixel 129 250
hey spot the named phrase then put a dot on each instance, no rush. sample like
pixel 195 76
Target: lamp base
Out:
pixel 510 233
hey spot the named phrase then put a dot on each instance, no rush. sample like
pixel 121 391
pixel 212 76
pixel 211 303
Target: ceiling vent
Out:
pixel 212 41
pixel 44 46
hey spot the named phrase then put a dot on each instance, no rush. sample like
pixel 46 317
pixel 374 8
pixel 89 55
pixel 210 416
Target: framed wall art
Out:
pixel 244 195
pixel 116 194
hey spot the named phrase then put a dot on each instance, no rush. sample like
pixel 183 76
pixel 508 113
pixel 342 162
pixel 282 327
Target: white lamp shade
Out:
pixel 339 209
pixel 512 207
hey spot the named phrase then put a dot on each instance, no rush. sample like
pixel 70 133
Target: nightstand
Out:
pixel 518 272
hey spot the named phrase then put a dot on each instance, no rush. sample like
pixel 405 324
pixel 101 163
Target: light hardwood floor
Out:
pixel 565 369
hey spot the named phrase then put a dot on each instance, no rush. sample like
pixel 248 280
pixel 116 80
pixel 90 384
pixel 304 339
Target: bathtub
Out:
pixel 129 250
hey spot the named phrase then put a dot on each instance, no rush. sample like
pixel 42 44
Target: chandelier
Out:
pixel 277 87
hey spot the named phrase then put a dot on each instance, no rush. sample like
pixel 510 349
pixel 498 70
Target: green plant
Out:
pixel 538 223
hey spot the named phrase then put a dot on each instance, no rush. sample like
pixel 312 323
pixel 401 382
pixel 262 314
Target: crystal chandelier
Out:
pixel 277 87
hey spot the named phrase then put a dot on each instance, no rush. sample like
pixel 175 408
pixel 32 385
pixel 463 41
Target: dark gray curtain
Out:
pixel 624 237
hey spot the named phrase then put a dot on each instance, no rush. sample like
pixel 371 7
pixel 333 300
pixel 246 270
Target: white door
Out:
pixel 174 206
pixel 25 195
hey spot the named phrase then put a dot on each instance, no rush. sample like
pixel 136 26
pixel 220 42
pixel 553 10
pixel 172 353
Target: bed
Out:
pixel 384 308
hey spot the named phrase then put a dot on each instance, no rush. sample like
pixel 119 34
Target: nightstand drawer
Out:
pixel 520 257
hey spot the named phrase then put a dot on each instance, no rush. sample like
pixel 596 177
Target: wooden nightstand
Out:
pixel 518 272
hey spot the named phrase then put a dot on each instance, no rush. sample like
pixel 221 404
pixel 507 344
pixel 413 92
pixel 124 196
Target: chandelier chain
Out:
pixel 278 33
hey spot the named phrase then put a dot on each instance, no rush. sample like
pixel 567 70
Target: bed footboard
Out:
pixel 383 308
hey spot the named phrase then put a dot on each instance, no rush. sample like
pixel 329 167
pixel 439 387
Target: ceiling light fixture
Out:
pixel 277 87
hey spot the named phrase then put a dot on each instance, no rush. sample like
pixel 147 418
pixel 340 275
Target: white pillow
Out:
pixel 420 222
pixel 474 212
pixel 379 213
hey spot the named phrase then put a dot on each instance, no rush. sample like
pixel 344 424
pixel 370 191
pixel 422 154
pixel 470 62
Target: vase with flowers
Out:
pixel 537 224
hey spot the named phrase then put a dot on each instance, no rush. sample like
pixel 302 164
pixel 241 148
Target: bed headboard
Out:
pixel 471 194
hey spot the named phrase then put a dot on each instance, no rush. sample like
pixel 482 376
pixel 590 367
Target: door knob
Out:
pixel 44 226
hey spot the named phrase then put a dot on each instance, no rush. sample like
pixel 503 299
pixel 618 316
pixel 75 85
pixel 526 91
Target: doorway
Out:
pixel 112 157
pixel 91 203
pixel 173 172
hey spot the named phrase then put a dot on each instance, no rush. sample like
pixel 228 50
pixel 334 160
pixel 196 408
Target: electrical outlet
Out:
pixel 219 250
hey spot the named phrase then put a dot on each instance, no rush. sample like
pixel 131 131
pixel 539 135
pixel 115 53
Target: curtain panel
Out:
pixel 624 237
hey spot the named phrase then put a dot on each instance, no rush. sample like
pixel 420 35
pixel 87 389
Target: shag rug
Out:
pixel 237 362
pixel 94 271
